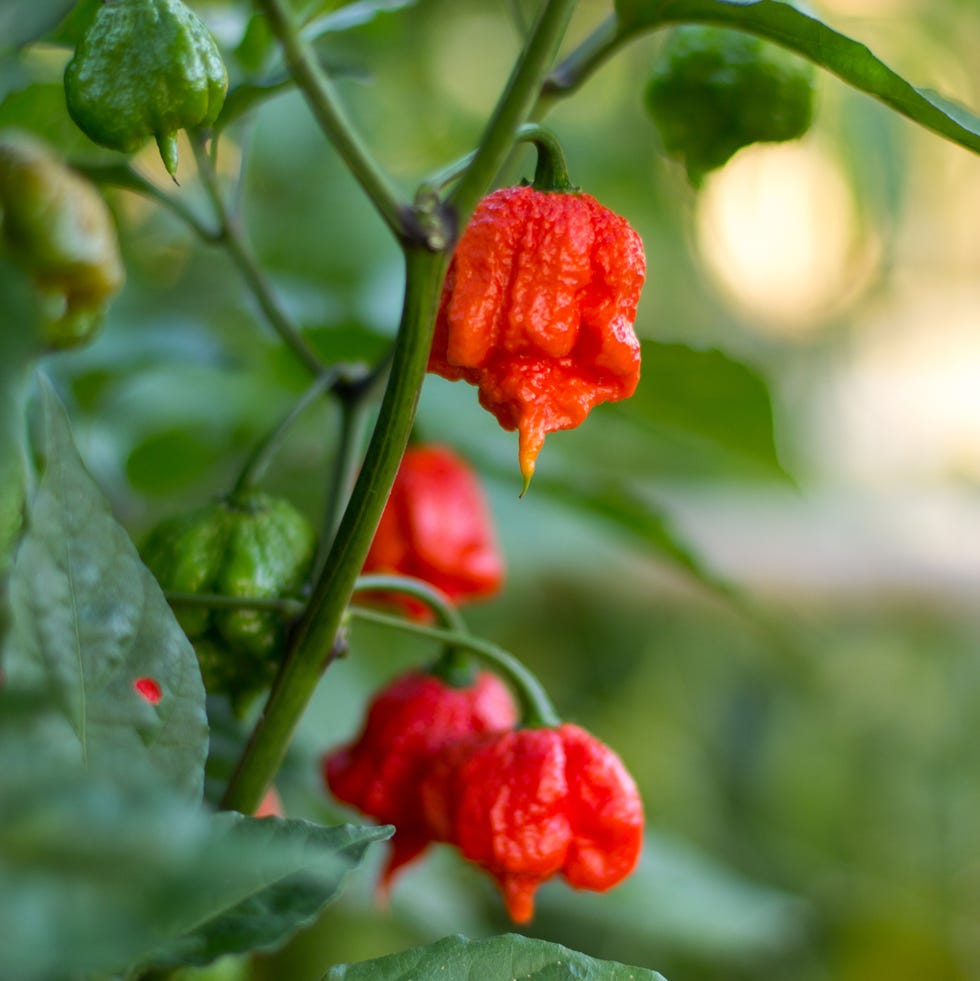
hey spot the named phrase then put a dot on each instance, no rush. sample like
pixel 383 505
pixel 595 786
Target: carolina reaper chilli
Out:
pixel 408 722
pixel 438 528
pixel 532 803
pixel 537 311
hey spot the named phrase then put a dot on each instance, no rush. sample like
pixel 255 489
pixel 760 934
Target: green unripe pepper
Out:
pixel 55 225
pixel 716 90
pixel 250 546
pixel 145 68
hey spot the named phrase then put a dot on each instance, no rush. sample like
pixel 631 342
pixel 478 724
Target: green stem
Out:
pixel 514 106
pixel 122 175
pixel 291 609
pixel 435 599
pixel 258 461
pixel 317 632
pixel 536 706
pixel 600 45
pixel 316 635
pixel 326 108
pixel 233 239
pixel 551 172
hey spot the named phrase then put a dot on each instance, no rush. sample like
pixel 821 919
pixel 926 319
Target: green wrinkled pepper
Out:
pixel 55 225
pixel 145 68
pixel 715 90
pixel 252 545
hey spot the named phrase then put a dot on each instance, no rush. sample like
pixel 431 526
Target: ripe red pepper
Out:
pixel 407 724
pixel 537 311
pixel 530 803
pixel 436 527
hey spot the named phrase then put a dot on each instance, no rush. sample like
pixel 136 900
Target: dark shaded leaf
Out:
pixel 506 958
pixel 806 34
pixel 99 873
pixel 294 868
pixel 89 620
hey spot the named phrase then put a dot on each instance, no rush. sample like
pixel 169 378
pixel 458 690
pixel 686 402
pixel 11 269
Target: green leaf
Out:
pixel 89 620
pixel 506 958
pixel 806 34
pixel 293 869
pixel 100 873
pixel 641 519
pixel 352 15
pixel 706 395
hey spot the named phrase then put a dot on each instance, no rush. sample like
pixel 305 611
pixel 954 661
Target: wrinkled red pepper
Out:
pixel 532 803
pixel 437 527
pixel 537 311
pixel 407 724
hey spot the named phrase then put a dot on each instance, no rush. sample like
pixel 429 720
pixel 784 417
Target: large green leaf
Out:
pixel 88 621
pixel 294 868
pixel 506 958
pixel 99 874
pixel 707 396
pixel 805 33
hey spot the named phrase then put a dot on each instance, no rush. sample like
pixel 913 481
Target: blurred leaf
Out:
pixel 503 958
pixel 88 620
pixel 802 32
pixel 21 23
pixel 640 519
pixel 294 868
pixel 40 108
pixel 100 873
pixel 249 95
pixel 682 898
pixel 352 15
pixel 167 462
pixel 707 395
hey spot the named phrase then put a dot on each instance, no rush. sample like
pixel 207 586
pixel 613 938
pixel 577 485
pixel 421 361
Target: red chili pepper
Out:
pixel 407 723
pixel 538 309
pixel 531 803
pixel 436 527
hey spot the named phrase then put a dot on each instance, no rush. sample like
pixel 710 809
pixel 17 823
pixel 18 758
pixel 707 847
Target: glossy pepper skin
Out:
pixel 537 311
pixel 532 803
pixel 56 226
pixel 437 527
pixel 254 545
pixel 145 68
pixel 407 724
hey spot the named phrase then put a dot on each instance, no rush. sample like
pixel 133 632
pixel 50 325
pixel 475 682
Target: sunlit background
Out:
pixel 801 719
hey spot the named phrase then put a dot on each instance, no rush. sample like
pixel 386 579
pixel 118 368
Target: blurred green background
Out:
pixel 767 605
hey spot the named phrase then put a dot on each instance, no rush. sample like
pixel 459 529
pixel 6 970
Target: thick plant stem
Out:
pixel 514 106
pixel 581 64
pixel 326 107
pixel 317 632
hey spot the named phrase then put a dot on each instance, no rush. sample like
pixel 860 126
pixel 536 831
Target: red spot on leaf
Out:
pixel 147 688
